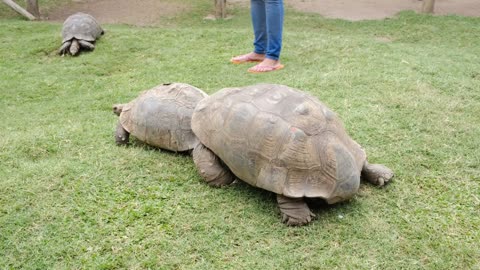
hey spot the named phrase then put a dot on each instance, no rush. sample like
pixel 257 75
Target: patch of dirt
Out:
pixel 355 10
pixel 148 12
pixel 134 12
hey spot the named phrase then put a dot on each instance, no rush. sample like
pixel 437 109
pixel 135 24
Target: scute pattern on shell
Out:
pixel 162 115
pixel 81 26
pixel 282 140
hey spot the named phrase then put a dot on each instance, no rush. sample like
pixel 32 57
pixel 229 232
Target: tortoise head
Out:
pixel 117 109
pixel 74 47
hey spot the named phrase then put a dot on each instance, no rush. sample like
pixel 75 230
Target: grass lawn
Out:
pixel 407 89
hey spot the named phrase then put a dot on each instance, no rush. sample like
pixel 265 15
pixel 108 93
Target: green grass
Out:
pixel 71 199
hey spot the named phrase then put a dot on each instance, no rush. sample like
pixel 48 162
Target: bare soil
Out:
pixel 148 12
pixel 134 12
pixel 355 10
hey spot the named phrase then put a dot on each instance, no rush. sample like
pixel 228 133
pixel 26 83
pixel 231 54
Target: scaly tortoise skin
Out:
pixel 80 31
pixel 160 117
pixel 282 140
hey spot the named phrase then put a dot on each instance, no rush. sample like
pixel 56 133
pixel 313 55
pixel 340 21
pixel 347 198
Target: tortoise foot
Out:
pixel 294 211
pixel 377 174
pixel 121 135
pixel 211 168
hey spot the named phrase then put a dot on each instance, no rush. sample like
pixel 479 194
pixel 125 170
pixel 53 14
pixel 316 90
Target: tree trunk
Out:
pixel 19 9
pixel 220 8
pixel 32 7
pixel 428 6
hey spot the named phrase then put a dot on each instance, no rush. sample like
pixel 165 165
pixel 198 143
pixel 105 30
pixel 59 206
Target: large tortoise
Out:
pixel 160 117
pixel 282 140
pixel 80 31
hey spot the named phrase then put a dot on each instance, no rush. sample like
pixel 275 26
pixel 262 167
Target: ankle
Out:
pixel 257 55
pixel 269 62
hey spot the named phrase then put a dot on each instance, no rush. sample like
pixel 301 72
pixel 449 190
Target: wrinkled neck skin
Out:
pixel 75 47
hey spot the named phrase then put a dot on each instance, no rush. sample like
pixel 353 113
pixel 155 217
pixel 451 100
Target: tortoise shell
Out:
pixel 81 26
pixel 161 116
pixel 282 140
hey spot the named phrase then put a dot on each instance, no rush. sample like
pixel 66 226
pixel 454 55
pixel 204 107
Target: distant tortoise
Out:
pixel 160 117
pixel 282 140
pixel 79 31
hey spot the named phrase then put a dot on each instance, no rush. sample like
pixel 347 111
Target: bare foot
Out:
pixel 266 65
pixel 249 57
pixel 267 62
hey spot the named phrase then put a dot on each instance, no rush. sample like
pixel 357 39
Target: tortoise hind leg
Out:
pixel 295 211
pixel 86 45
pixel 377 174
pixel 121 135
pixel 63 50
pixel 210 167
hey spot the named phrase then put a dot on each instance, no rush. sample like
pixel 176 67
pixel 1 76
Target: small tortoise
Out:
pixel 79 31
pixel 160 117
pixel 282 140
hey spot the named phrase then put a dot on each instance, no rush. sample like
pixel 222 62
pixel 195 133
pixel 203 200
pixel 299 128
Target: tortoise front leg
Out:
pixel 295 211
pixel 210 167
pixel 86 45
pixel 121 135
pixel 65 46
pixel 377 174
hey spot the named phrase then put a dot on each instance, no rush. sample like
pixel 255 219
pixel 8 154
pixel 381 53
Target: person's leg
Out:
pixel 258 14
pixel 274 14
pixel 259 23
pixel 274 19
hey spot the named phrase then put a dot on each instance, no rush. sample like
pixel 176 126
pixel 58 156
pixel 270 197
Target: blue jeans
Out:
pixel 267 20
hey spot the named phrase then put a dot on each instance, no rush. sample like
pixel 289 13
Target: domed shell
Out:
pixel 81 26
pixel 282 140
pixel 162 115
